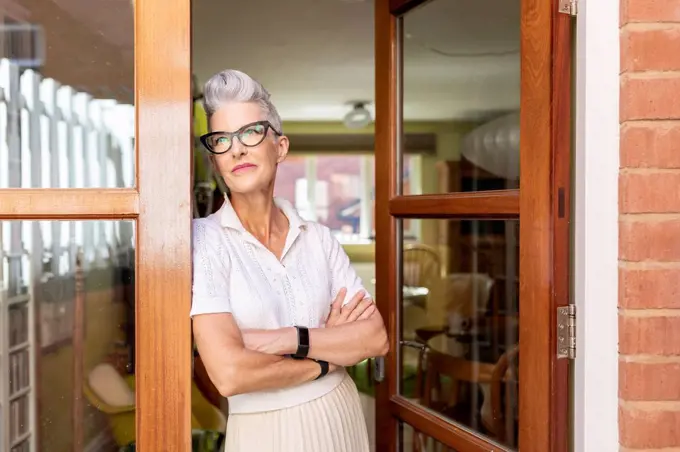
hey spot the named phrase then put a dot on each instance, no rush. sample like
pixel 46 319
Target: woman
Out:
pixel 277 309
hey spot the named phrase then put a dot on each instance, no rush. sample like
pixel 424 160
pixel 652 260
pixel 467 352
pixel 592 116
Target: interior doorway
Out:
pixel 89 284
pixel 418 163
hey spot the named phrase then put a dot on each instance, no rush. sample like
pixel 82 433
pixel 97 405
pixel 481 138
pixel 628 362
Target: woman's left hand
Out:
pixel 358 308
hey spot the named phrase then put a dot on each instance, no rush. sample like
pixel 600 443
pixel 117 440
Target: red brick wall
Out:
pixel 649 236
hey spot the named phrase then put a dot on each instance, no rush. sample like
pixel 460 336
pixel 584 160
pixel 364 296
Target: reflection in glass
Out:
pixel 67 337
pixel 462 69
pixel 411 440
pixel 460 323
pixel 66 114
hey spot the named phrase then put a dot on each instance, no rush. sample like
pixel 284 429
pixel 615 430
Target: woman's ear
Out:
pixel 282 144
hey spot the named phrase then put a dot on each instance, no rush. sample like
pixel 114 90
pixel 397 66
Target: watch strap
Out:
pixel 324 369
pixel 303 342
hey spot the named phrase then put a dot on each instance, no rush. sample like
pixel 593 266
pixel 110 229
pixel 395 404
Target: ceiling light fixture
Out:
pixel 359 116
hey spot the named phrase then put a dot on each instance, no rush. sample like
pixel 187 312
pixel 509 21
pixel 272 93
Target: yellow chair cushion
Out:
pixel 110 386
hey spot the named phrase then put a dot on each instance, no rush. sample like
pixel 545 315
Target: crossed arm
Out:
pixel 234 369
pixel 353 333
pixel 239 362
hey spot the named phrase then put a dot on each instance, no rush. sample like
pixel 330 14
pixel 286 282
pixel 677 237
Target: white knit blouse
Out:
pixel 235 273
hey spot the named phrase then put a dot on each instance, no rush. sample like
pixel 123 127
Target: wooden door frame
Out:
pixel 543 202
pixel 163 227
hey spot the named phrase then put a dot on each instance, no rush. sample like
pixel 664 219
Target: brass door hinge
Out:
pixel 566 332
pixel 568 7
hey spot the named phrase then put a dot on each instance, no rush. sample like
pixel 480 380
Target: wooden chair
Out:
pixel 442 378
pixel 505 398
pixel 421 269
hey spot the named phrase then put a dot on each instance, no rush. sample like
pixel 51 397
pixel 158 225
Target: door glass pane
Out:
pixel 461 79
pixel 66 114
pixel 67 318
pixel 412 440
pixel 460 316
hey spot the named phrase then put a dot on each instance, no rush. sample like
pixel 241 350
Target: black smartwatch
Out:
pixel 324 369
pixel 303 343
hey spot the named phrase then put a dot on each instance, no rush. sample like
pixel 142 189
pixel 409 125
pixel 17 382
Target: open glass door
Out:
pixel 471 272
pixel 95 199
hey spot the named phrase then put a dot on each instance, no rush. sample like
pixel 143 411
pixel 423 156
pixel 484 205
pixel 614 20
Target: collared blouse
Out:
pixel 234 273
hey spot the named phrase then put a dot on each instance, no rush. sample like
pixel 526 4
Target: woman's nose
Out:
pixel 238 149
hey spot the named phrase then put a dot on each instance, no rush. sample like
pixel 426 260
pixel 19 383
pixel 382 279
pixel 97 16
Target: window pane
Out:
pixel 335 190
pixel 66 114
pixel 339 191
pixel 340 187
pixel 67 355
pixel 460 316
pixel 462 72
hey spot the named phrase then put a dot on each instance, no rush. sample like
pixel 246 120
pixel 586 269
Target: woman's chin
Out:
pixel 245 189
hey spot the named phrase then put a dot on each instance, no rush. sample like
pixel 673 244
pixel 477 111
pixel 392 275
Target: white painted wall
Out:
pixel 596 227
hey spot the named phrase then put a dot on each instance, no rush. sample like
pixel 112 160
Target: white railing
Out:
pixel 52 136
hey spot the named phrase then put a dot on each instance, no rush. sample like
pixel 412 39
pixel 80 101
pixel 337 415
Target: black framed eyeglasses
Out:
pixel 249 135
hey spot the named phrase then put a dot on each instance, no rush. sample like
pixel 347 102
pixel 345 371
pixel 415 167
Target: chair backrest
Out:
pixel 504 397
pixel 421 266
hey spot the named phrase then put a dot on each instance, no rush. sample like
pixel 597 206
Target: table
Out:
pixel 412 295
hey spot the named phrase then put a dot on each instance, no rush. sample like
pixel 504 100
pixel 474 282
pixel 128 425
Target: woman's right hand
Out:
pixel 359 308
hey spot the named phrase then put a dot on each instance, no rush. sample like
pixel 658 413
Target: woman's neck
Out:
pixel 259 215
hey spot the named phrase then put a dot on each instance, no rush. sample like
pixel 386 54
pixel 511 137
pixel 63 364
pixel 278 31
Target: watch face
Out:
pixel 303 342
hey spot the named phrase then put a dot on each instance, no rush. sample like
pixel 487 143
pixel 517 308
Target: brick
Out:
pixel 639 193
pixel 656 239
pixel 649 381
pixel 650 11
pixel 654 288
pixel 649 335
pixel 651 144
pixel 650 96
pixel 655 49
pixel 666 449
pixel 648 428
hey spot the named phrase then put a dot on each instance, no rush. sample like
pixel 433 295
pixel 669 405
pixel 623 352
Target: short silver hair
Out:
pixel 231 85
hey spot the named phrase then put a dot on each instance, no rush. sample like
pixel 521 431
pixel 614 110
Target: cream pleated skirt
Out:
pixel 331 423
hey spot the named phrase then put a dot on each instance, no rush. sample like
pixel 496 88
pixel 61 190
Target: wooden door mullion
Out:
pixel 386 247
pixel 163 265
pixel 501 204
pixel 68 203
pixel 561 213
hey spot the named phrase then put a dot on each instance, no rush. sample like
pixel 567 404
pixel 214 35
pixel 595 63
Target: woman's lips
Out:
pixel 243 166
